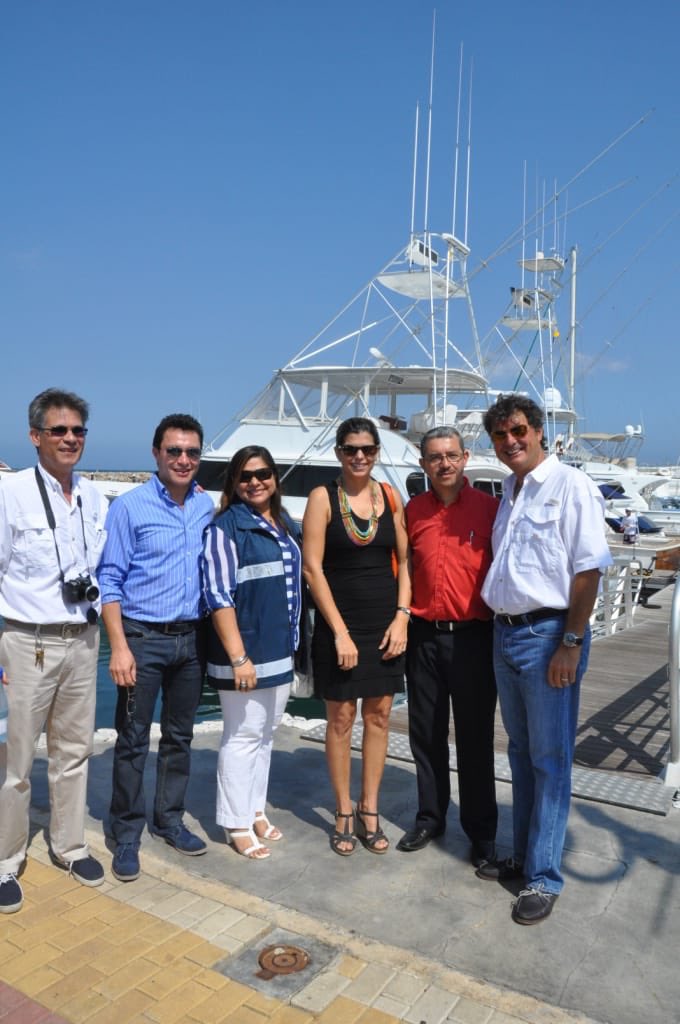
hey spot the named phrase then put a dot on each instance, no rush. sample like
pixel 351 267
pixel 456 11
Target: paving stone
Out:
pixel 391 1006
pixel 405 987
pixel 321 990
pixel 68 986
pixel 341 1011
pixel 468 1012
pixel 368 985
pixel 177 1004
pixel 32 984
pixel 128 977
pixel 27 962
pixel 434 1005
pixel 218 1005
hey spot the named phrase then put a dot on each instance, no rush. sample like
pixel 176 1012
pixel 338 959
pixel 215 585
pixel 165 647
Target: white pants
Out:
pixel 60 697
pixel 250 721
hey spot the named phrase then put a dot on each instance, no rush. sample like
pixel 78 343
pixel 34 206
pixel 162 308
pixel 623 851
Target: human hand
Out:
pixel 395 639
pixel 348 655
pixel 123 667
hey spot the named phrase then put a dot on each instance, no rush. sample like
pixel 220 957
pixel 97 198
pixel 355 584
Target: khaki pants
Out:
pixel 60 697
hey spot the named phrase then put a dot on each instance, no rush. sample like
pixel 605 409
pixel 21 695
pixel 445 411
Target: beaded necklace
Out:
pixel 355 534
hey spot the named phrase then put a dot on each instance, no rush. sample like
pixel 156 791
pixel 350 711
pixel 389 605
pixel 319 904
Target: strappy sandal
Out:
pixel 271 832
pixel 256 850
pixel 371 839
pixel 346 836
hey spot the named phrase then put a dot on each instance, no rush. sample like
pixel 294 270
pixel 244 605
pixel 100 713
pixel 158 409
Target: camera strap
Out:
pixel 52 523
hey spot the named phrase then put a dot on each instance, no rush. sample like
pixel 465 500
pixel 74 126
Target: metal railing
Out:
pixel 671 773
pixel 618 598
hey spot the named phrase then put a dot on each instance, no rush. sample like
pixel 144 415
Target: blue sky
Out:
pixel 191 190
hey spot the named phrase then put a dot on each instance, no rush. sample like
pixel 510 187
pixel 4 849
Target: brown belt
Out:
pixel 65 630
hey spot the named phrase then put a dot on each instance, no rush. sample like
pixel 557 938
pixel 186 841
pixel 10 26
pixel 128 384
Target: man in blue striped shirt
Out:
pixel 153 612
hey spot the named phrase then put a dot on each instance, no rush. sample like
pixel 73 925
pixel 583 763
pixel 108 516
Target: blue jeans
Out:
pixel 540 721
pixel 173 666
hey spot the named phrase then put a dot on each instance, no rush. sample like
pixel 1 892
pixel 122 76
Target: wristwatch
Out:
pixel 572 640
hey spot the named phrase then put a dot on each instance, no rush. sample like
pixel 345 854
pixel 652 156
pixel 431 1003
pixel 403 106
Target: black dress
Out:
pixel 364 589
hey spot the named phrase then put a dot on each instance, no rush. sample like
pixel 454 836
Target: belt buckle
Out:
pixel 443 626
pixel 69 630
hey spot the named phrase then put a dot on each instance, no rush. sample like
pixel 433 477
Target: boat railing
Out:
pixel 618 598
pixel 671 773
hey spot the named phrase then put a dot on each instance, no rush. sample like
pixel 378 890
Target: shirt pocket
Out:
pixel 537 541
pixel 34 543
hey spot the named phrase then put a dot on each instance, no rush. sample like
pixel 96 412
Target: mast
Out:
pixel 572 340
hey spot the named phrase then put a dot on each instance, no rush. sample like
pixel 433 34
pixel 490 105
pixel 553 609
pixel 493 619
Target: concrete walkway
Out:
pixel 403 937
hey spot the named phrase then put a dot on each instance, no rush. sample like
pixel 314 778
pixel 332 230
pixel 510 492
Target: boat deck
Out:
pixel 624 718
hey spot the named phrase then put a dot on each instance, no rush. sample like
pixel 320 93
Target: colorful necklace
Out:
pixel 355 534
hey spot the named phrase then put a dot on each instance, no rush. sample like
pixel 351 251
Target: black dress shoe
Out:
pixel 500 870
pixel 533 906
pixel 417 838
pixel 482 851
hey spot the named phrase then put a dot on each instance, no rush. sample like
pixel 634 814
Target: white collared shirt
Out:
pixel 551 531
pixel 30 584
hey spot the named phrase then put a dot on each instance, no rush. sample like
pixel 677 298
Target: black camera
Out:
pixel 80 589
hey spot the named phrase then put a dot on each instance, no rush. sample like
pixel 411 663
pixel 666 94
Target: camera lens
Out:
pixel 92 593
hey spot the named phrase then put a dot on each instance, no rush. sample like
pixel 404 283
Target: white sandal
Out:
pixel 256 851
pixel 272 833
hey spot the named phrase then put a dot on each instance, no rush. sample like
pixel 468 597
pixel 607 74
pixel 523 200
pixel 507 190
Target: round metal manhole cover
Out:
pixel 275 960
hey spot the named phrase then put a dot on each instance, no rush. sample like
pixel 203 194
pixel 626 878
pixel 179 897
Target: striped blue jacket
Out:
pixel 260 599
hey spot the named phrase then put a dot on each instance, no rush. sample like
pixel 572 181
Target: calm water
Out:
pixel 209 707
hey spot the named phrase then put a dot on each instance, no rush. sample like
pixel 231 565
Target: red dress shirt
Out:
pixel 450 553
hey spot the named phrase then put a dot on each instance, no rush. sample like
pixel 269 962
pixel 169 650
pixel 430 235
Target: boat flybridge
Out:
pixel 404 352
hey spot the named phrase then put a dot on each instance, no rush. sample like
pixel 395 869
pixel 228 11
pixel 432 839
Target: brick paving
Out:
pixel 147 952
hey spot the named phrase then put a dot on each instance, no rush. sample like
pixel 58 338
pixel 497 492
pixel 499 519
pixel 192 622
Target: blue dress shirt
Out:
pixel 150 563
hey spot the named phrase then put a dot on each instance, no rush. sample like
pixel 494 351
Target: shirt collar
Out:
pixel 163 492
pixel 537 475
pixel 54 484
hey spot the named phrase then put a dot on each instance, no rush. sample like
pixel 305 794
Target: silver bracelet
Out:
pixel 240 661
pixel 406 611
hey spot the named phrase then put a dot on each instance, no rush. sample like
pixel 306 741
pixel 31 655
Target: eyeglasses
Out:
pixel 437 458
pixel 260 474
pixel 369 450
pixel 519 430
pixel 62 431
pixel 174 452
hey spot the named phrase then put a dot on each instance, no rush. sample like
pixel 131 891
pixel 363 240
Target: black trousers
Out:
pixel 453 669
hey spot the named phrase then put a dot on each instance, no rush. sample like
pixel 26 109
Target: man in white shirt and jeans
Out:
pixel 51 537
pixel 549 552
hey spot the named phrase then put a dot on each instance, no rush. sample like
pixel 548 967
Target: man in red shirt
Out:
pixel 449 656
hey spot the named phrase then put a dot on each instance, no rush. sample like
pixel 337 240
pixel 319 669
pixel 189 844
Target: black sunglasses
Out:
pixel 174 452
pixel 260 474
pixel 369 450
pixel 519 430
pixel 62 431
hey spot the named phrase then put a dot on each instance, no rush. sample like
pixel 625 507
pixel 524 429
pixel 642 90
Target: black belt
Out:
pixel 169 628
pixel 449 625
pixel 535 616
pixel 65 630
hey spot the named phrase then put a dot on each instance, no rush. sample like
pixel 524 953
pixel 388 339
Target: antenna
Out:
pixel 455 159
pixel 429 127
pixel 469 152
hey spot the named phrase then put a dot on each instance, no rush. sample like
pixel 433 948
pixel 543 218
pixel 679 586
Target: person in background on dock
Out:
pixel 450 649
pixel 350 530
pixel 252 577
pixel 154 616
pixel 629 524
pixel 549 552
pixel 51 537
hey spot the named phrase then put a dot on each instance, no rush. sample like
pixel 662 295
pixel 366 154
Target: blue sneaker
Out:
pixel 125 864
pixel 87 871
pixel 184 841
pixel 11 896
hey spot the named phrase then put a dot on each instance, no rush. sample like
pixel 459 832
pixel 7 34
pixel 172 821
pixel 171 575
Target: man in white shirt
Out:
pixel 629 524
pixel 549 552
pixel 51 537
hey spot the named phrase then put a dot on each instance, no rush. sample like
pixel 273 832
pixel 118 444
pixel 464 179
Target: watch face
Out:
pixel 572 640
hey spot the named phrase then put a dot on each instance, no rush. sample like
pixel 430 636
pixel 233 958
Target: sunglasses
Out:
pixel 369 450
pixel 174 452
pixel 62 431
pixel 260 474
pixel 519 430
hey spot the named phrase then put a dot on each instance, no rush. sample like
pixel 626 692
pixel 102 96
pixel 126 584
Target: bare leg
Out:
pixel 341 715
pixel 375 712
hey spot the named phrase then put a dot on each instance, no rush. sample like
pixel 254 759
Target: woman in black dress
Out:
pixel 350 530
